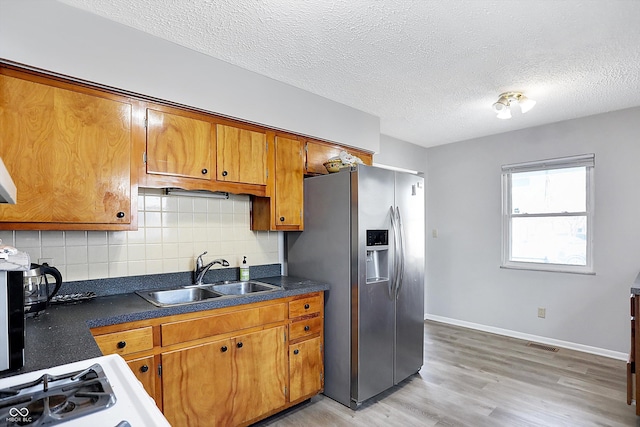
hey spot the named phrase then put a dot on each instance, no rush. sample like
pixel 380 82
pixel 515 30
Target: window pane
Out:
pixel 549 191
pixel 549 240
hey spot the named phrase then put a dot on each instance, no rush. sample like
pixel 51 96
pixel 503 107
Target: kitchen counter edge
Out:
pixel 62 333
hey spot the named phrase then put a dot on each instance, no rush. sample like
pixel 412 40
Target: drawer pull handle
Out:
pixel 122 344
pixel 239 345
pixel 296 351
pixel 144 368
pixel 204 171
pixel 223 348
pixel 282 219
pixel 306 306
pixel 120 214
pixel 306 328
pixel 225 173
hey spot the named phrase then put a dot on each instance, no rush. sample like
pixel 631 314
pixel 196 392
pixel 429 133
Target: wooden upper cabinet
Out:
pixel 284 209
pixel 68 151
pixel 319 152
pixel 289 186
pixel 178 145
pixel 241 155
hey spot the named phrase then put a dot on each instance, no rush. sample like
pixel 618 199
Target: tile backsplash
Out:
pixel 172 231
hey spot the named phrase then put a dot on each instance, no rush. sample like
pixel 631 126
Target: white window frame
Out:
pixel 586 160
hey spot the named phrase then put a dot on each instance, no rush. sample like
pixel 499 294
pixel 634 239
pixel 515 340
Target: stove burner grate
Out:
pixel 53 399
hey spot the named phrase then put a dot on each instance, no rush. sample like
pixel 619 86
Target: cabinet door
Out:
pixel 145 370
pixel 241 155
pixel 259 381
pixel 68 153
pixel 289 174
pixel 178 145
pixel 305 368
pixel 195 382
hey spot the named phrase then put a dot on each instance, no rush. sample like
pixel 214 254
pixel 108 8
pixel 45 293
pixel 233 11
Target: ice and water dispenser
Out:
pixel 377 255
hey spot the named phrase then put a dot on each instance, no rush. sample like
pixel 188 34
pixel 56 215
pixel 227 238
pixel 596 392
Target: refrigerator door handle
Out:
pixel 401 256
pixel 394 279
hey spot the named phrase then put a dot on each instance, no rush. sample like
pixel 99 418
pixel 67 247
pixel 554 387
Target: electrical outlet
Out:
pixel 48 261
pixel 542 312
pixel 434 233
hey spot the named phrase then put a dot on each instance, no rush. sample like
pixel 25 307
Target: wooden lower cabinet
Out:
pixel 305 369
pixel 256 360
pixel 144 368
pixel 220 383
pixel 188 384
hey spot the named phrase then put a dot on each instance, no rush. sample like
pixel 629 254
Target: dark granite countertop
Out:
pixel 61 334
pixel 635 288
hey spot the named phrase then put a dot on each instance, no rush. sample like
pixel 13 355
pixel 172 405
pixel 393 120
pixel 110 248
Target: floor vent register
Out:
pixel 542 347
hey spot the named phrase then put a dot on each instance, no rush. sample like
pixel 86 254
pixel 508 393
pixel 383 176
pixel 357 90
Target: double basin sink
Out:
pixel 207 292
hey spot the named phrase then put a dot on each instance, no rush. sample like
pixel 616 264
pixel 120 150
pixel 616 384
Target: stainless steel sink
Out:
pixel 194 294
pixel 170 297
pixel 242 288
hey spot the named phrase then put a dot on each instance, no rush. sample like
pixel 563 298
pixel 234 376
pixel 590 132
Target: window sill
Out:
pixel 563 269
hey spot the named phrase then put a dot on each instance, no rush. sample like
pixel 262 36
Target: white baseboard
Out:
pixel 528 337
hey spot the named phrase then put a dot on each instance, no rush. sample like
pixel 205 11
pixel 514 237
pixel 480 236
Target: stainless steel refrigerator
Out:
pixel 364 236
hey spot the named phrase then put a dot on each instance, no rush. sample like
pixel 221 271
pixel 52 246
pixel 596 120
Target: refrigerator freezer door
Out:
pixel 410 298
pixel 373 323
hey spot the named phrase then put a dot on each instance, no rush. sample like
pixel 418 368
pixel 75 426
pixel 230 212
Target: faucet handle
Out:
pixel 199 262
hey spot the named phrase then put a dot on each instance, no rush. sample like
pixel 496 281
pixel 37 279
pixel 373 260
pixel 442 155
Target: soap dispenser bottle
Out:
pixel 244 270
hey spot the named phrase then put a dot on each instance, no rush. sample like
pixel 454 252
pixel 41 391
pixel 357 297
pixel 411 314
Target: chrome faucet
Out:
pixel 202 269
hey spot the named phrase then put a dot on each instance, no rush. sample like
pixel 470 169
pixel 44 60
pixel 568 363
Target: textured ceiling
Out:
pixel 429 69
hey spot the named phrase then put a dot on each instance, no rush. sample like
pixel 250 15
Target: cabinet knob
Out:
pixel 306 328
pixel 120 214
pixel 282 219
pixel 225 173
pixel 306 306
pixel 223 348
pixel 239 345
pixel 144 368
pixel 296 351
pixel 122 344
pixel 204 171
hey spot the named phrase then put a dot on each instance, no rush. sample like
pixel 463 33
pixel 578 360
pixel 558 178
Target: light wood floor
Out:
pixel 473 378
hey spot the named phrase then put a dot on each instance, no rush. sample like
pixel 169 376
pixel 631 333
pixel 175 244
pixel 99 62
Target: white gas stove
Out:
pixel 99 392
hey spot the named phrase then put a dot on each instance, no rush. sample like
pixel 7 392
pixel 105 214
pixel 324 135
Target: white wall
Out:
pixel 401 154
pixel 464 281
pixel 62 39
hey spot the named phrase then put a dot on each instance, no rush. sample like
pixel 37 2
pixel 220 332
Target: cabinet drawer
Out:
pixel 193 329
pixel 304 306
pixel 126 342
pixel 305 327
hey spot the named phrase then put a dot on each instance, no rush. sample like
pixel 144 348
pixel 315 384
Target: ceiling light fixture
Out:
pixel 503 106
